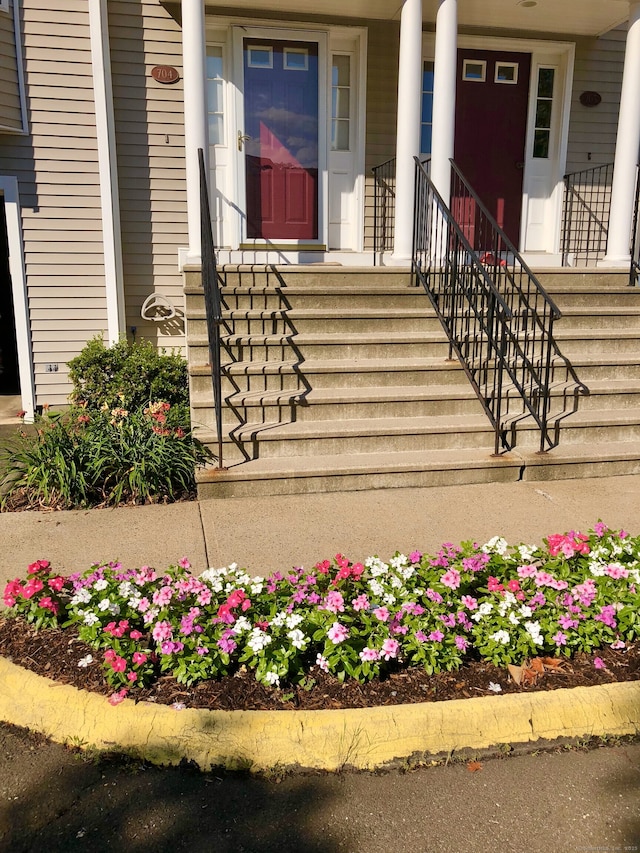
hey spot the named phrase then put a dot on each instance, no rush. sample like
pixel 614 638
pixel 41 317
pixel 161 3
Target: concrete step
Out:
pixel 600 317
pixel 594 341
pixel 364 345
pixel 568 462
pixel 311 320
pixel 308 275
pixel 594 297
pixel 319 297
pixel 299 475
pixel 603 366
pixel 568 277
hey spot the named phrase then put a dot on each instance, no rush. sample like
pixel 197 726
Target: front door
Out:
pixel 491 121
pixel 280 139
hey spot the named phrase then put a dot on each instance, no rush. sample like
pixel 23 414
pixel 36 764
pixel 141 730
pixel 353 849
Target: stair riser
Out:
pixel 341 350
pixel 587 373
pixel 359 482
pixel 340 411
pixel 274 300
pixel 581 470
pixel 597 321
pixel 592 346
pixel 201 385
pixel 334 325
pixel 581 435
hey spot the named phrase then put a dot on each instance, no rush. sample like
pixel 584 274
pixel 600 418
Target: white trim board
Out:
pixel 9 194
pixel 20 68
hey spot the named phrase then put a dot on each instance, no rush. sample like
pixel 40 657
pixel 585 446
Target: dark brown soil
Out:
pixel 55 654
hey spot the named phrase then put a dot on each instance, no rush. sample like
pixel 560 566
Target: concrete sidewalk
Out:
pixel 269 533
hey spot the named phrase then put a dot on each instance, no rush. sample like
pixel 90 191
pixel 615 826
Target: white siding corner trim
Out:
pixel 9 193
pixel 4 7
pixel 109 195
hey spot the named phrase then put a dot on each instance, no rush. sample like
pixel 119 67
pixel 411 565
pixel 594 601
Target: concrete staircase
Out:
pixel 338 378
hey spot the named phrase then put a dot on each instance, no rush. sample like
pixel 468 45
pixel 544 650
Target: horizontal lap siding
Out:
pixel 10 115
pixel 151 168
pixel 382 98
pixel 592 130
pixel 57 171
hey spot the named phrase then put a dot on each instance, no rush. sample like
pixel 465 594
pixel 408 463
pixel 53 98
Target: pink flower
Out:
pixel 162 596
pixel 600 529
pixel 382 614
pixel 38 566
pixel 432 595
pixel 415 557
pixel 369 654
pixel 139 658
pixel 451 578
pixel 436 636
pixel 184 563
pixel 618 644
pixel 33 586
pixel 132 676
pixel 202 650
pixel 469 602
pixel 48 604
pixel 162 631
pixel 616 572
pixel 337 633
pixel 56 583
pixel 117 698
pixel 360 603
pixel 135 635
pixel 390 649
pixel 494 585
pixel 513 585
pixel 334 602
pixel 560 639
pixel 322 662
pixel 118 664
pixel 526 571
pixel 599 663
pixel 461 643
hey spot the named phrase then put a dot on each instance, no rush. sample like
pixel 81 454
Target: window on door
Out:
pixel 426 122
pixel 215 94
pixel 340 102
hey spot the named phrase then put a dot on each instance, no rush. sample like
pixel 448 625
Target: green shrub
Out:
pixel 83 457
pixel 128 375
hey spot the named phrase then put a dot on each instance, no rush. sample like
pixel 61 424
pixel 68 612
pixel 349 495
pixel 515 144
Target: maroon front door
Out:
pixel 491 121
pixel 281 151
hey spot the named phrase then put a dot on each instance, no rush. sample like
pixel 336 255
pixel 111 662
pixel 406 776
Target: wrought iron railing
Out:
pixel 497 316
pixel 585 215
pixel 212 301
pixel 634 272
pixel 384 207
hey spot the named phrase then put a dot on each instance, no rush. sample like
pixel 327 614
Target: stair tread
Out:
pixel 336 365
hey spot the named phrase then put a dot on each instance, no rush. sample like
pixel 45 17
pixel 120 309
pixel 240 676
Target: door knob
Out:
pixel 520 164
pixel 242 137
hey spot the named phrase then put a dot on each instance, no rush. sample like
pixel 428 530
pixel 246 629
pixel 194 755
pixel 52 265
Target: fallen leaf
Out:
pixel 474 766
pixel 516 672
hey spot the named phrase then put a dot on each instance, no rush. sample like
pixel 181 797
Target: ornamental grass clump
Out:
pixel 505 604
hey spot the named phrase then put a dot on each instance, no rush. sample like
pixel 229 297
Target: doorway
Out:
pixel 492 96
pixel 9 375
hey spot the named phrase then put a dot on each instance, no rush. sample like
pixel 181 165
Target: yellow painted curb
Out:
pixel 324 740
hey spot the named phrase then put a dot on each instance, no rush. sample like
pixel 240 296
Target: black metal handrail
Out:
pixel 634 272
pixel 585 215
pixel 497 316
pixel 212 301
pixel 384 207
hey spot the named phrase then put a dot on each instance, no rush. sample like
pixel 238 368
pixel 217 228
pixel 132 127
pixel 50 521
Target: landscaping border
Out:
pixel 331 740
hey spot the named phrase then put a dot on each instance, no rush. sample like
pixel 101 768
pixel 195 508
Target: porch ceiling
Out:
pixel 578 17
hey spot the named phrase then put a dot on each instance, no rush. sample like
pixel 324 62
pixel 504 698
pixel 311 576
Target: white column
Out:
pixel 444 96
pixel 627 146
pixel 194 58
pixel 408 127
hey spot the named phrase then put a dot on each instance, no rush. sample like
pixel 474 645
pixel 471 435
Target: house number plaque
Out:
pixel 165 74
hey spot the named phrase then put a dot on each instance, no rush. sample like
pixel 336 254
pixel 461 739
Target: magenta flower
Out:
pixel 560 639
pixel 337 633
pixel 461 643
pixel 599 663
pixel 415 557
pixel 421 637
pixel 600 529
pixel 436 636
pixel 162 631
pixel 434 596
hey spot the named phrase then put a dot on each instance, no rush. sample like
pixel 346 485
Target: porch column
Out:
pixel 408 127
pixel 194 58
pixel 627 146
pixel 444 96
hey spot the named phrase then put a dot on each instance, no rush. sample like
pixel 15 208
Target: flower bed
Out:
pixel 577 593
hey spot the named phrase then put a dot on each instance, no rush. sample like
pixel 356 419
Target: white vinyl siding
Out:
pixel 149 119
pixel 10 111
pixel 58 181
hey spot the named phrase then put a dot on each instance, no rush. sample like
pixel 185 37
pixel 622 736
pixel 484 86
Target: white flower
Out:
pixel 257 586
pixel 500 637
pixel 398 562
pixel 241 624
pixel 272 677
pixel 396 582
pixel 377 568
pixel 533 629
pixel 497 544
pixel 495 688
pixel 134 601
pixel 258 640
pixel 178 706
pixel 293 620
pixel 526 611
pixel 114 609
pixel 85 661
pixel 389 599
pixel 105 604
pixel 527 553
pixel 126 589
pixel 485 608
pixel 298 639
pixel 82 596
pixel 90 619
pixel 279 619
pixel 376 587
pixel 101 584
pixel 513 618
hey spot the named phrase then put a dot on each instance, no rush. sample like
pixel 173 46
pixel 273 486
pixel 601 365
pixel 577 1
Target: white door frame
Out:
pixel 9 194
pixel 541 51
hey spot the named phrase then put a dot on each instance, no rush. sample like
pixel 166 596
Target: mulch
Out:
pixel 55 653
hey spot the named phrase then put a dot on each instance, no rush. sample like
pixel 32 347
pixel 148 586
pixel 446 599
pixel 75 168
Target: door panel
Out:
pixel 491 124
pixel 281 154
